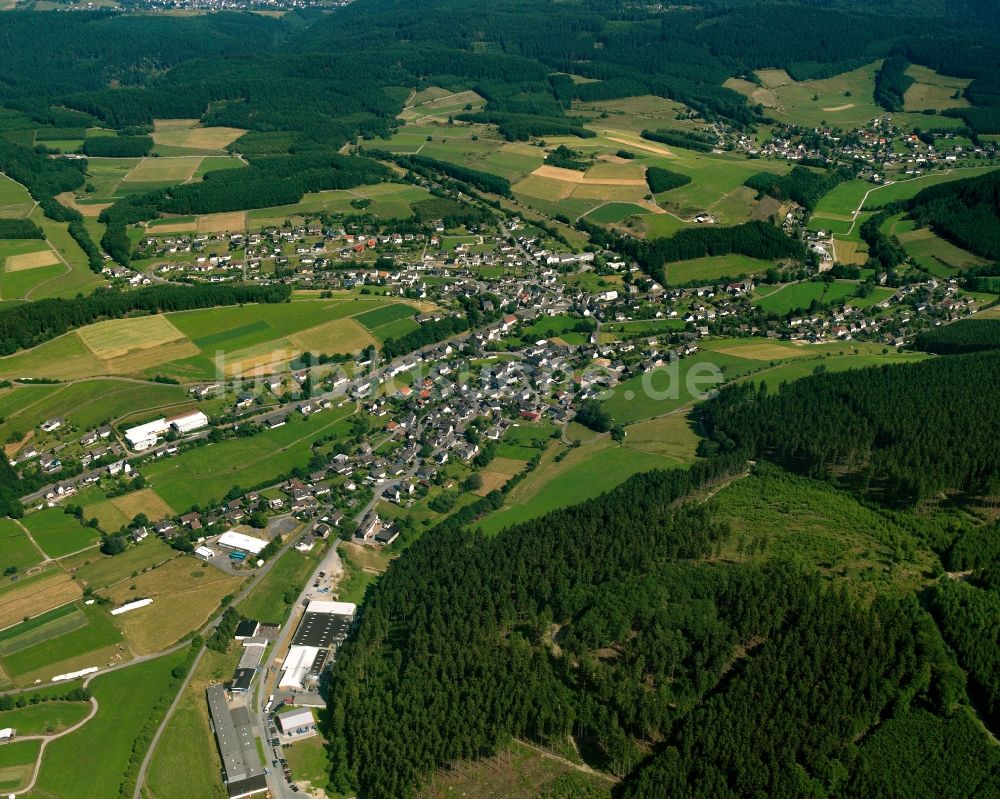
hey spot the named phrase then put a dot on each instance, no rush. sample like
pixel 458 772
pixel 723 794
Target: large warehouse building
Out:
pixel 242 770
pixel 323 628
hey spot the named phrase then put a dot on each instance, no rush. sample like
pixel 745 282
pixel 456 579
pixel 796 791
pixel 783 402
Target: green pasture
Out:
pixel 59 533
pixel 712 268
pixel 206 473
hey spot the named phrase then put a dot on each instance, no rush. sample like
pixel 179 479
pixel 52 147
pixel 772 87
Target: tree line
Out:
pixel 905 432
pixel 803 185
pixel 756 239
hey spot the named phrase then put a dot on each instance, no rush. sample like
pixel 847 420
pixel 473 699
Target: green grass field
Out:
pixel 714 267
pixel 185 763
pixel 791 296
pixel 97 633
pixel 59 533
pixel 15 548
pixel 613 212
pixel 127 699
pixel 309 762
pixel 936 254
pixel 385 315
pixel 45 718
pixel 199 475
pixel 905 189
pixel 525 440
pixel 588 471
pixel 14 198
pixel 669 388
pixel 89 404
pixel 17 760
pixel 105 570
pixel 266 601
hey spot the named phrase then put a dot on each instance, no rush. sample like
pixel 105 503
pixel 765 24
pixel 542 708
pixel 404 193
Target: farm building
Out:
pixel 186 422
pixel 241 766
pixel 295 719
pixel 245 543
pixel 146 435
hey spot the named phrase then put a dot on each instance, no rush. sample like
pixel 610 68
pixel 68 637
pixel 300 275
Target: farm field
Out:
pixel 126 700
pixel 669 388
pixel 85 637
pixel 387 201
pixel 116 512
pixel 15 201
pixel 199 475
pixel 185 591
pixel 172 135
pixel 585 472
pixel 106 570
pixel 613 212
pixel 621 331
pixel 87 404
pixel 905 189
pixel 790 296
pixel 713 268
pixel 15 547
pixel 523 441
pixel 45 718
pixel 170 170
pixel 936 254
pixel 251 338
pixel 933 91
pixel 35 595
pixel 17 762
pixel 59 533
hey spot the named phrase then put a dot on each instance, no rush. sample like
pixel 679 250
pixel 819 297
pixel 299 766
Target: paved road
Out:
pixel 330 564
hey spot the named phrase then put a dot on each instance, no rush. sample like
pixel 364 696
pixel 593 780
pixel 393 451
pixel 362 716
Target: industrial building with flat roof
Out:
pixel 246 543
pixel 323 628
pixel 241 767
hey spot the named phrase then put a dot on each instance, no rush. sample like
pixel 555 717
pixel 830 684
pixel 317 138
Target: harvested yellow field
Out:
pixel 844 107
pixel 174 615
pixel 176 227
pixel 507 466
pixel 260 359
pixel 544 188
pixel 86 209
pixel 771 78
pixel 850 252
pixel 145 501
pixel 189 133
pixel 185 594
pixel 30 260
pixel 671 436
pixel 340 335
pixel 763 351
pixel 491 482
pixel 146 358
pixel 37 597
pixel 573 176
pixel 233 221
pixel 759 94
pixel 164 170
pixel 117 337
pixel 639 144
